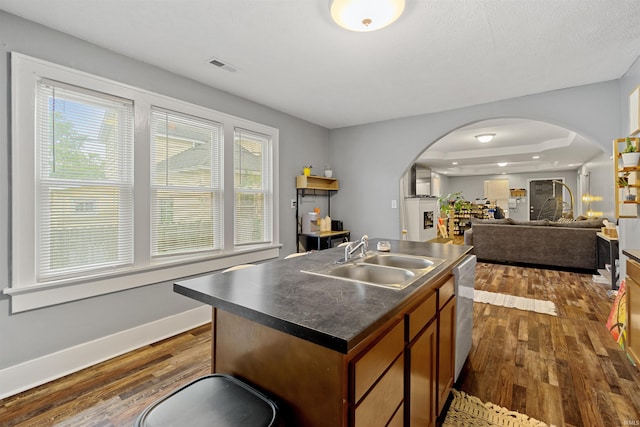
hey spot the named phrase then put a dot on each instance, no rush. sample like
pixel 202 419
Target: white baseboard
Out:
pixel 32 373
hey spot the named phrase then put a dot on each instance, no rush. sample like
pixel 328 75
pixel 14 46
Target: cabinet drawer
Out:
pixel 368 369
pixel 421 316
pixel 445 292
pixel 379 406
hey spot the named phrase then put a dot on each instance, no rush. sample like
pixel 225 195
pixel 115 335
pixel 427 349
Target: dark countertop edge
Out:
pixel 632 253
pixel 317 337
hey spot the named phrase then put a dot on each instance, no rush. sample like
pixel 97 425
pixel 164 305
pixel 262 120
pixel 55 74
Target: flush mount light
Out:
pixel 535 157
pixel 485 137
pixel 502 164
pixel 365 15
pixel 454 163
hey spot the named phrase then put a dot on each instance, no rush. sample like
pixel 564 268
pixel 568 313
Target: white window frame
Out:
pixel 266 188
pixel 25 291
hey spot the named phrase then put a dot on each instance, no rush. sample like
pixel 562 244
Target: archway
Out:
pixel 521 149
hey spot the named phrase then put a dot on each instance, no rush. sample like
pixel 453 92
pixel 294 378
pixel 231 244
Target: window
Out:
pixel 186 182
pixel 85 181
pixel 102 202
pixel 252 185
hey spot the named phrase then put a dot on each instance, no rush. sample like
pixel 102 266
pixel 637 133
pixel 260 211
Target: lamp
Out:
pixel 365 15
pixel 588 198
pixel 485 137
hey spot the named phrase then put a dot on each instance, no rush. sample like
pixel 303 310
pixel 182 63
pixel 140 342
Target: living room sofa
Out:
pixel 545 243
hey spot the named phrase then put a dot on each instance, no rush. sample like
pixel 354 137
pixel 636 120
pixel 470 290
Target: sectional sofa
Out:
pixel 558 244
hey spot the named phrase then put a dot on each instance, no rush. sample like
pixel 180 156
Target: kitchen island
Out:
pixel 334 352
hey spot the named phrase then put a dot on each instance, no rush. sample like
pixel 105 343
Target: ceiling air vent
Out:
pixel 218 63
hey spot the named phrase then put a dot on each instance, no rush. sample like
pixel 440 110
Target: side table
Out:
pixel 607 253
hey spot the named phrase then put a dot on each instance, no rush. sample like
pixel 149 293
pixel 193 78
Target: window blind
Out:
pixel 252 188
pixel 186 183
pixel 85 181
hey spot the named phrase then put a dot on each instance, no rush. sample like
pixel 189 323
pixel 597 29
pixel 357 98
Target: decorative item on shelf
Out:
pixel 518 192
pixel 630 155
pixel 306 170
pixel 623 181
pixel 328 172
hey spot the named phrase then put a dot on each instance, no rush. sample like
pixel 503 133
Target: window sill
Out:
pixel 43 295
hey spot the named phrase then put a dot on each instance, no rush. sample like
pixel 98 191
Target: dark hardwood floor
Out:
pixel 564 370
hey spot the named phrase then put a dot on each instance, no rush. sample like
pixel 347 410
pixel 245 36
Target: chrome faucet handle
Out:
pixel 365 245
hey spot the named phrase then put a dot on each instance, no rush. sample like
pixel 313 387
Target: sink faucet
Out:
pixel 352 247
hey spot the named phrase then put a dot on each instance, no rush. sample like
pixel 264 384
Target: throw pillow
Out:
pixel 490 221
pixel 589 223
pixel 531 223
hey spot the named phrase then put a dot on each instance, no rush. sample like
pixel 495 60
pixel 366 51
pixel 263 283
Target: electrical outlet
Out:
pixel 394 204
pixel 293 203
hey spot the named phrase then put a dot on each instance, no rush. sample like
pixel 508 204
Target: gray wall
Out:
pixel 32 334
pixel 370 159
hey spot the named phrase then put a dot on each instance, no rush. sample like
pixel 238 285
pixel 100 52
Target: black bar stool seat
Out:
pixel 214 400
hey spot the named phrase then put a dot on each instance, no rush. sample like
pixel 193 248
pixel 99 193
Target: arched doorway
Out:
pixel 520 150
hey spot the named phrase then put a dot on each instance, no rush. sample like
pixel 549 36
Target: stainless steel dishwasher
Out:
pixel 465 277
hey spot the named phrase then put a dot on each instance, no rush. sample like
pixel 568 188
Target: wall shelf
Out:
pixel 321 186
pixel 316 183
pixel 631 175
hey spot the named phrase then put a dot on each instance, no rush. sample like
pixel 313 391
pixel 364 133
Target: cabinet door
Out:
pixel 446 350
pixel 633 310
pixel 421 361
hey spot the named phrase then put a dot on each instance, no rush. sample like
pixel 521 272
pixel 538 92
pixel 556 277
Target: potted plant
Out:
pixel 328 172
pixel 623 182
pixel 306 170
pixel 452 202
pixel 630 156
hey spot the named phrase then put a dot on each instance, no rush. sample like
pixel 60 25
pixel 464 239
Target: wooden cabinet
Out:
pixel 626 180
pixel 378 380
pixel 430 356
pixel 421 360
pixel 446 341
pixel 400 375
pixel 633 310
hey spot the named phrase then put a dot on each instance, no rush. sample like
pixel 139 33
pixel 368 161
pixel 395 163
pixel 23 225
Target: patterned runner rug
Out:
pixel 521 303
pixel 469 411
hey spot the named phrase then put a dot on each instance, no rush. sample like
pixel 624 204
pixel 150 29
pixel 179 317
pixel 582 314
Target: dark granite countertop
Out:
pixel 632 253
pixel 334 313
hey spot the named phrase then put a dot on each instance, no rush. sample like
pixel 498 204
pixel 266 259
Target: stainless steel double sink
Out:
pixel 388 270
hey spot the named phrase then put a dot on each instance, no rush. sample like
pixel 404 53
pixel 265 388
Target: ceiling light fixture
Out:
pixel 485 137
pixel 502 164
pixel 365 15
pixel 536 157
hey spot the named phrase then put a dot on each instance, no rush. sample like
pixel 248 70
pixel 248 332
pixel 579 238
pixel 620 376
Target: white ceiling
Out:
pixel 289 55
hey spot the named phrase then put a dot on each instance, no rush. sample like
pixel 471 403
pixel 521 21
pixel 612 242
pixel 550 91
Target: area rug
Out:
pixel 521 303
pixel 469 411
